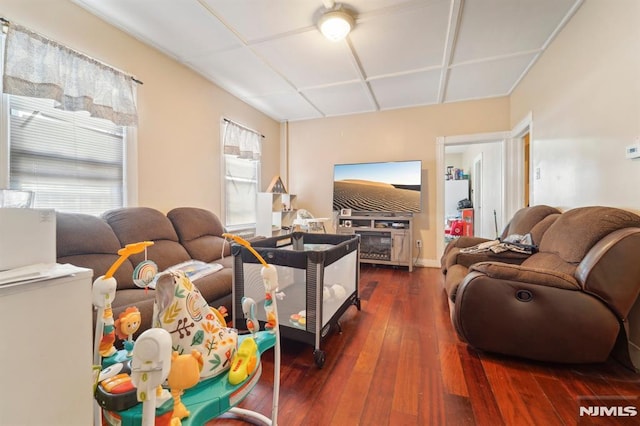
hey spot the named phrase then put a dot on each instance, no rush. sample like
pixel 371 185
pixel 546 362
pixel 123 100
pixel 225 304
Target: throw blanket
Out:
pixel 515 243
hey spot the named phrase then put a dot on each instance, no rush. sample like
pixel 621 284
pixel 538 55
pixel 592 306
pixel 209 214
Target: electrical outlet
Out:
pixel 418 243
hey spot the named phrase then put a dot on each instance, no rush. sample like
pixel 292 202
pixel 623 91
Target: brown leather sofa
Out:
pixel 534 220
pixel 569 302
pixel 182 234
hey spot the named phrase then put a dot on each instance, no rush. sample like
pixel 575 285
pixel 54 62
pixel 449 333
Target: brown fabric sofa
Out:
pixel 567 303
pixel 534 220
pixel 182 234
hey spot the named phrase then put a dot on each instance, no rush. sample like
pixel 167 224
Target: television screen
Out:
pixel 384 187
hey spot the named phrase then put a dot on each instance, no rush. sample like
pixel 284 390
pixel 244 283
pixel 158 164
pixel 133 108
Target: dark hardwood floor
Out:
pixel 398 361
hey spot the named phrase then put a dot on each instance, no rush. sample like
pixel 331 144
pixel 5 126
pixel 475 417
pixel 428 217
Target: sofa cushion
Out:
pixel 522 274
pixel 135 224
pixel 540 228
pixel 526 218
pixel 200 232
pixel 550 261
pixel 215 286
pixel 88 241
pixel 573 234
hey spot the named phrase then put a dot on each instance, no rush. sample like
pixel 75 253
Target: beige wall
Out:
pixel 180 112
pixel 584 95
pixel 405 134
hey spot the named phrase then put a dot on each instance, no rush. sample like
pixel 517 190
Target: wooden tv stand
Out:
pixel 384 239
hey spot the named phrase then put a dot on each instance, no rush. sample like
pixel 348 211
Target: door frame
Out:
pixel 525 126
pixel 512 176
pixel 476 194
pixel 478 138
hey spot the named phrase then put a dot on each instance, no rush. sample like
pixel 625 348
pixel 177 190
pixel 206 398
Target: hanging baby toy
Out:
pixel 103 292
pixel 145 271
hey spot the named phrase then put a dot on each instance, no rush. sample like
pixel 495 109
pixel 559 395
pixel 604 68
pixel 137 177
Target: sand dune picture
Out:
pixel 371 196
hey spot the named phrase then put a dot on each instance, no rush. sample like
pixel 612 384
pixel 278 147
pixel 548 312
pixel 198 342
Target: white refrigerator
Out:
pixel 454 191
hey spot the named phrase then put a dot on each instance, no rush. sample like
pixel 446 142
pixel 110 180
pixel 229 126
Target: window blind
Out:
pixel 71 161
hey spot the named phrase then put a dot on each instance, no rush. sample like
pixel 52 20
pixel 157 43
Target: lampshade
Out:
pixel 335 25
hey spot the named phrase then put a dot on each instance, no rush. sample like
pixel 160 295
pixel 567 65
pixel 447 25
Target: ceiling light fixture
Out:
pixel 336 24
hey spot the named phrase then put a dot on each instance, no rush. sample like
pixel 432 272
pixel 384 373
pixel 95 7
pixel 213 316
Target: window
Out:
pixel 241 178
pixel 70 160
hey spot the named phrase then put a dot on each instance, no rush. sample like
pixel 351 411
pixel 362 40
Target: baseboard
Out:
pixel 427 263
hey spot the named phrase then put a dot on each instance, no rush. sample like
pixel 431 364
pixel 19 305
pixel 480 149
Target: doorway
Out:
pixel 512 189
pixel 497 186
pixel 479 178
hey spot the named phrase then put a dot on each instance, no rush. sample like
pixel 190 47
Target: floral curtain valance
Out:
pixel 241 141
pixel 37 67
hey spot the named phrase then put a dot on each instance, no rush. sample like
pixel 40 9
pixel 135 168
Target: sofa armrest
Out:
pixel 448 257
pixel 464 242
pixel 518 273
pixel 611 270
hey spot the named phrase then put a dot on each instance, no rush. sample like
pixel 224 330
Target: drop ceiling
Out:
pixel 270 54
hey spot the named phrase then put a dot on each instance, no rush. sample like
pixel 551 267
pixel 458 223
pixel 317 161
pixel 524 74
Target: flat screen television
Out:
pixel 381 187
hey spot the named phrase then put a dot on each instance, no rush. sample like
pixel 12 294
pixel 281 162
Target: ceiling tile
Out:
pixel 241 73
pixel 341 99
pixel 420 88
pixel 368 6
pixel 316 60
pixel 259 19
pixel 285 106
pixel 485 79
pixel 410 39
pixel 490 28
pixel 270 53
pixel 162 24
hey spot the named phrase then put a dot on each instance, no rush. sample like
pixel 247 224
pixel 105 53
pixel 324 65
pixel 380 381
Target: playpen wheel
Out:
pixel 358 304
pixel 319 357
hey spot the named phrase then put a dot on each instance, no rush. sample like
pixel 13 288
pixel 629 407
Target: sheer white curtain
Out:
pixel 41 68
pixel 241 142
pixel 241 174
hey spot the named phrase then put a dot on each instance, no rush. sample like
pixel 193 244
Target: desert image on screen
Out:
pixel 370 196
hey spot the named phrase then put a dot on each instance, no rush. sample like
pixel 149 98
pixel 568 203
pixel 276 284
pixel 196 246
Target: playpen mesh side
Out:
pixel 313 284
pixel 238 290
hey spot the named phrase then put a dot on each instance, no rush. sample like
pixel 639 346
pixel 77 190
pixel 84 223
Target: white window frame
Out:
pixel 130 159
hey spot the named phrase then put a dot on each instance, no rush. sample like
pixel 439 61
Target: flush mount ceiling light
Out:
pixel 336 24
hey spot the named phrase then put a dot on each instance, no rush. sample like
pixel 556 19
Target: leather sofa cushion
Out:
pixel 468 259
pixel 573 234
pixel 551 261
pixel 526 218
pixel 135 224
pixel 88 241
pixel 540 228
pixel 545 277
pixel 200 232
